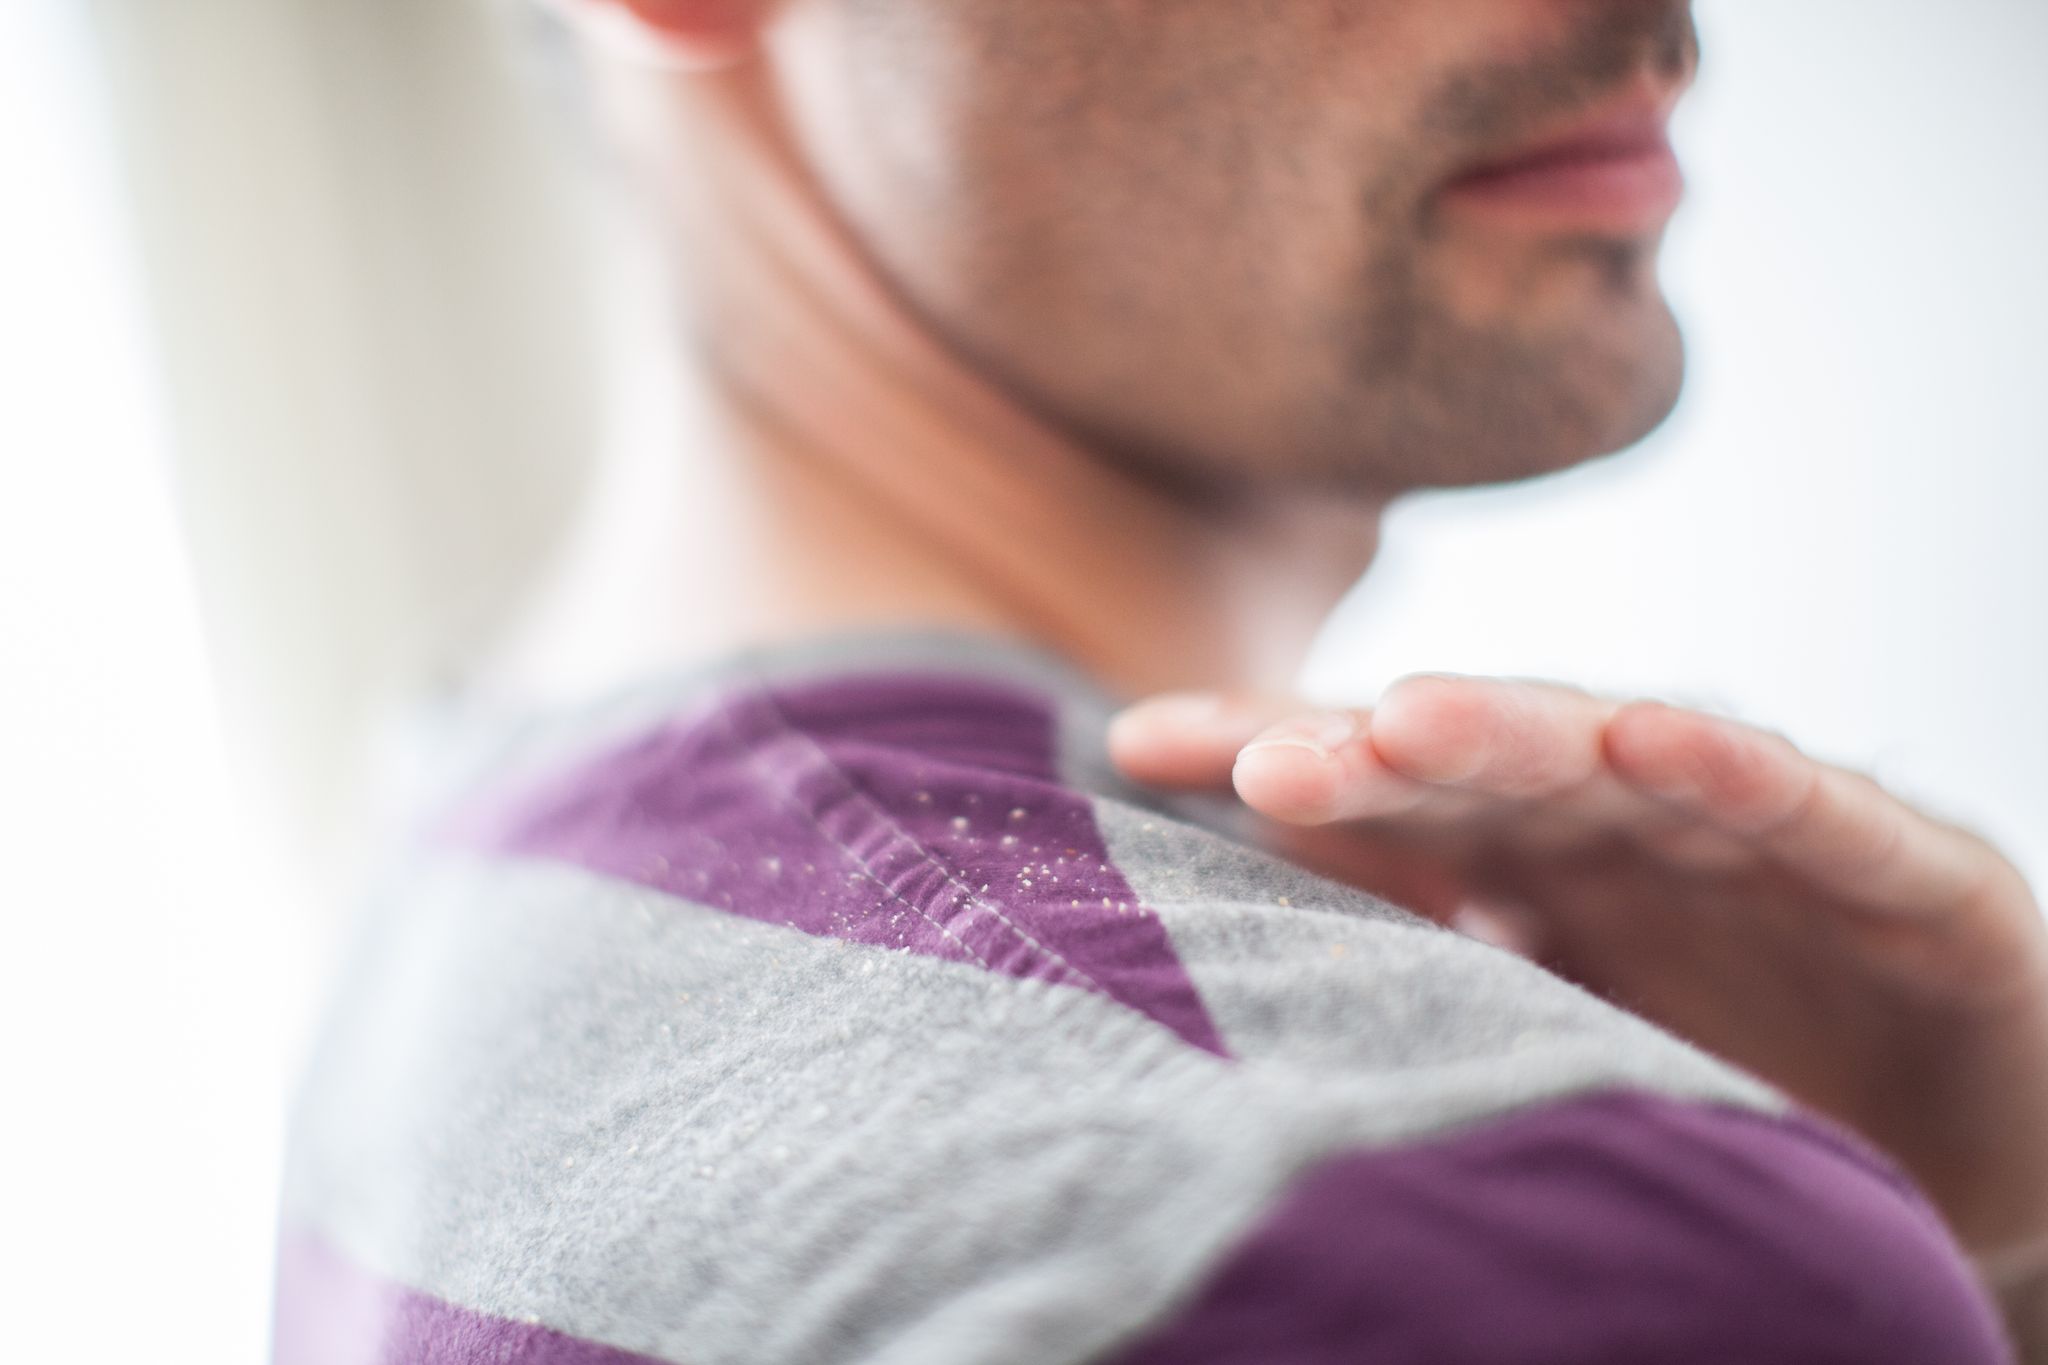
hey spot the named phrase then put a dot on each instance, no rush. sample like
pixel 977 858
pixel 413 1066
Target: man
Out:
pixel 837 1000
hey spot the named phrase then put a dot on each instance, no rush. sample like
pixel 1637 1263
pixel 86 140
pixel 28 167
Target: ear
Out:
pixel 696 34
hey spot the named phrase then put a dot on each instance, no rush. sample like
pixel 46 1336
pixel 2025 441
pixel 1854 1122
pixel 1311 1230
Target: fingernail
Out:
pixel 1322 733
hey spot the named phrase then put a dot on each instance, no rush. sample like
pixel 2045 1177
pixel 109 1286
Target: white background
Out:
pixel 1839 535
pixel 151 975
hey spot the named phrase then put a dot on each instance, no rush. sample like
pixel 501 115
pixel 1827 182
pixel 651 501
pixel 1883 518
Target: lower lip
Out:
pixel 1627 192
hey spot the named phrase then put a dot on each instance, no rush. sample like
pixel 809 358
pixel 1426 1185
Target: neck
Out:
pixel 841 469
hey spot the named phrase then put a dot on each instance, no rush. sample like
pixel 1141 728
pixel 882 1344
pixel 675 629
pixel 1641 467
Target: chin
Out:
pixel 1511 413
pixel 1593 399
pixel 1646 387
pixel 1621 414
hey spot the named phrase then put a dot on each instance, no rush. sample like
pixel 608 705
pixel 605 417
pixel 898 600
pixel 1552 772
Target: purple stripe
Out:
pixel 922 812
pixel 331 1311
pixel 1617 1228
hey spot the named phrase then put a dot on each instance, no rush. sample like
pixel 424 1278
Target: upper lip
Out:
pixel 1633 123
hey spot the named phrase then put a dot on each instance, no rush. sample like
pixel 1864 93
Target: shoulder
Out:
pixel 1034 982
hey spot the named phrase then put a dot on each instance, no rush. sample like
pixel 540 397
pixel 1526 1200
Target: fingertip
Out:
pixel 1637 740
pixel 1432 726
pixel 1144 725
pixel 1182 739
pixel 1657 748
pixel 1287 779
pixel 1697 759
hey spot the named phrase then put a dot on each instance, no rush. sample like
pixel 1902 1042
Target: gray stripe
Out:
pixel 556 1096
pixel 1299 970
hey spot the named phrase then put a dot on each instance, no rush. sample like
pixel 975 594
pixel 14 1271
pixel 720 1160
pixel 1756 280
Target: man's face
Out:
pixel 1272 241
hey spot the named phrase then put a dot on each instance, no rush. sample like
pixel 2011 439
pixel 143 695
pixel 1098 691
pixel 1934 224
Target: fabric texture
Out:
pixel 839 1004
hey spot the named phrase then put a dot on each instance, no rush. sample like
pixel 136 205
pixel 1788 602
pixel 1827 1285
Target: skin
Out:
pixel 1884 967
pixel 1178 302
pixel 1284 298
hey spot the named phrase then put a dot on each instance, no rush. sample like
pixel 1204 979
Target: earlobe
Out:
pixel 694 34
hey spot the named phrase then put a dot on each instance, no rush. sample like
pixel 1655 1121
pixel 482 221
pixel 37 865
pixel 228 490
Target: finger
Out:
pixel 1686 842
pixel 1190 740
pixel 1441 747
pixel 1505 737
pixel 1319 767
pixel 1533 743
pixel 1840 829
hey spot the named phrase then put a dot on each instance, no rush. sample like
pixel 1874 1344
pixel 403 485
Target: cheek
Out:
pixel 1149 215
pixel 1129 136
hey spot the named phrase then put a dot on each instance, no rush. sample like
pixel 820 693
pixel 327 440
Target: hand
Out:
pixel 1882 966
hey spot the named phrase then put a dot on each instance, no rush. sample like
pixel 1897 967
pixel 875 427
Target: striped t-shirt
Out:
pixel 840 1004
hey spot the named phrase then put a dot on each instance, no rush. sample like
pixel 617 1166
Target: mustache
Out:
pixel 1611 44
